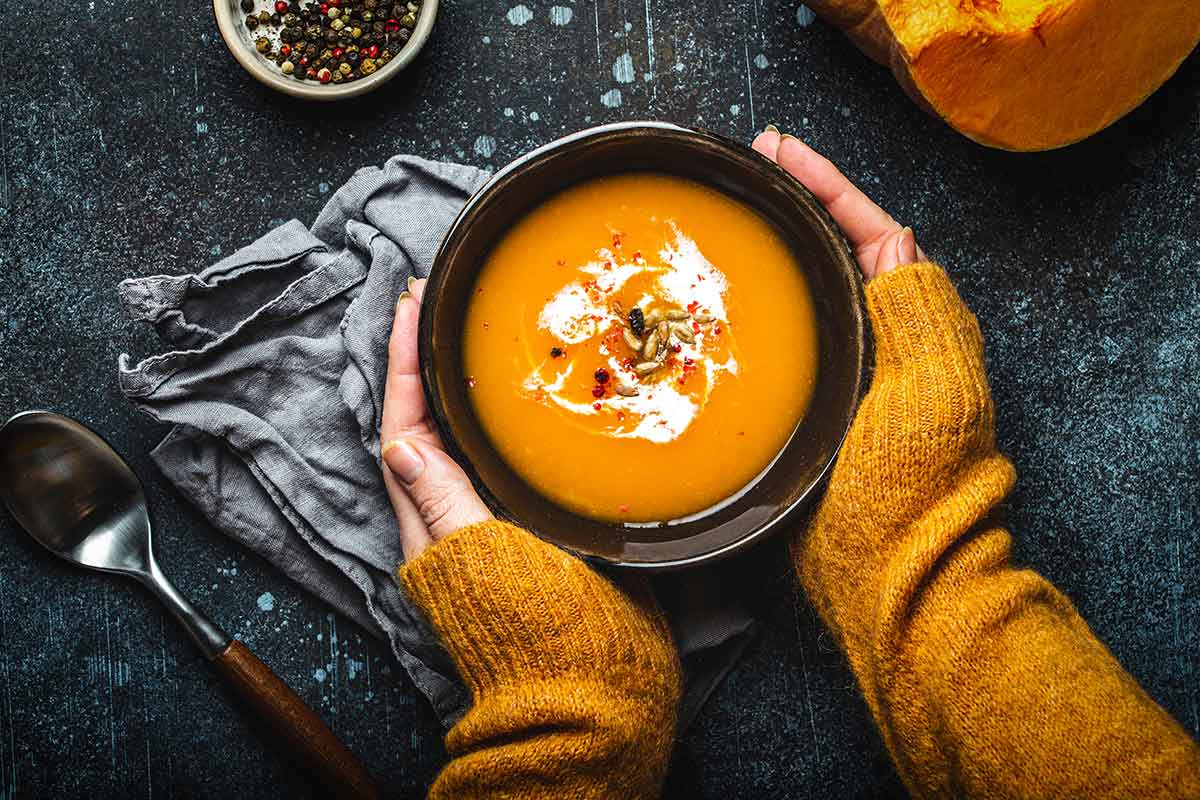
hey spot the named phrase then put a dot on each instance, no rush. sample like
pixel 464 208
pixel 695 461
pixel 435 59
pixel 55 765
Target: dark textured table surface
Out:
pixel 130 143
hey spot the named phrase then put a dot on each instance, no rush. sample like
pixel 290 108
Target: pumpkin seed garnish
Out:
pixel 648 334
pixel 664 341
pixel 650 348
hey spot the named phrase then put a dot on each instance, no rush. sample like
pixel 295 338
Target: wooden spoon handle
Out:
pixel 298 731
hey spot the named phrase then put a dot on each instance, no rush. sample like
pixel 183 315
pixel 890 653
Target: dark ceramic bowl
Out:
pixel 793 479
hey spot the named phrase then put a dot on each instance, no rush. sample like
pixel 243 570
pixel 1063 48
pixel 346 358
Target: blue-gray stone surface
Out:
pixel 131 143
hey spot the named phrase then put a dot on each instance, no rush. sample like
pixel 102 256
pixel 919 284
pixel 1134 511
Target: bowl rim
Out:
pixel 841 249
pixel 257 67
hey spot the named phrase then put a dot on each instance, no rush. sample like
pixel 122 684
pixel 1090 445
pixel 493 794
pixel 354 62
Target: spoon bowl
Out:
pixel 72 493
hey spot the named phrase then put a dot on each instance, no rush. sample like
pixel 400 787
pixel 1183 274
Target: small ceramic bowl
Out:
pixel 240 41
pixel 791 482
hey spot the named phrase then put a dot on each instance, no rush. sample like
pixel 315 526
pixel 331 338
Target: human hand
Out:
pixel 431 495
pixel 879 242
pixel 926 341
pixel 922 443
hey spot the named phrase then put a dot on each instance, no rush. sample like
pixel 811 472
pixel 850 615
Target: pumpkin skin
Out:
pixel 1023 74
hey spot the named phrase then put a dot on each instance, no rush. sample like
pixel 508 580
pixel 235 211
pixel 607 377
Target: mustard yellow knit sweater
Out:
pixel 982 678
pixel 575 683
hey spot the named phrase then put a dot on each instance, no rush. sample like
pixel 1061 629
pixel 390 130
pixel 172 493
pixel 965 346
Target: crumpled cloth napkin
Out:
pixel 274 386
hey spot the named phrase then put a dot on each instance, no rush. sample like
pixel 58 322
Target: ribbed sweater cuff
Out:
pixel 917 315
pixel 512 609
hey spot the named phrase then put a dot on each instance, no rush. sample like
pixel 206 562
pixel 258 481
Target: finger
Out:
pixel 416 287
pixel 767 142
pixel 438 487
pixel 897 249
pixel 414 535
pixel 864 223
pixel 404 412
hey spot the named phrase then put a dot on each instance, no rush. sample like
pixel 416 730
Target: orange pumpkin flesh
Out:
pixel 1024 74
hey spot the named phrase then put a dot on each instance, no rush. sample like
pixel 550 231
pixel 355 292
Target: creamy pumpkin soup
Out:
pixel 640 347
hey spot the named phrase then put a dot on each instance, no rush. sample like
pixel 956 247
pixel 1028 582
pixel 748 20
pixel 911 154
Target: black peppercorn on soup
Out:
pixel 640 347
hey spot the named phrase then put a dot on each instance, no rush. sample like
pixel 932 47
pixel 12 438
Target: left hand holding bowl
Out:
pixel 431 495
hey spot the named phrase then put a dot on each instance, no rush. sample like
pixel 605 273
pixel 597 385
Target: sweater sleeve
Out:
pixel 575 684
pixel 982 678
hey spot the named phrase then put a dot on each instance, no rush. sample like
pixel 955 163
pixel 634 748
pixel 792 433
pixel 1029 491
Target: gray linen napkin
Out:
pixel 274 387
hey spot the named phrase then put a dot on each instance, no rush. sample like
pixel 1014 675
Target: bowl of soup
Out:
pixel 645 343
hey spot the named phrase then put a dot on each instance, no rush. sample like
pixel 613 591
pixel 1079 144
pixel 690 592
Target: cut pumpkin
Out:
pixel 1023 74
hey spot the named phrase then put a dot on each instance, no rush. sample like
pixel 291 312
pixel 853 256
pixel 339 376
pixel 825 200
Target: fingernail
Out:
pixel 403 296
pixel 906 247
pixel 785 136
pixel 403 460
pixel 770 129
pixel 411 280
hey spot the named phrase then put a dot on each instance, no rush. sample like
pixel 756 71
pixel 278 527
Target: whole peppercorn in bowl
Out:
pixel 324 49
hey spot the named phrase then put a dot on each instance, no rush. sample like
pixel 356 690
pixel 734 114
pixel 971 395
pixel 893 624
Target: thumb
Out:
pixel 898 249
pixel 437 486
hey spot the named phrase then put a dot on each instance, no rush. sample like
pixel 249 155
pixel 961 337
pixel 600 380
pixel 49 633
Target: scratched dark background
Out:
pixel 131 143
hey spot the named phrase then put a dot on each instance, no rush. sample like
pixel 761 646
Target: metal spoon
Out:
pixel 75 495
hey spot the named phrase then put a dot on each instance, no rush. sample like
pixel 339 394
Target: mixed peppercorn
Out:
pixel 332 41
